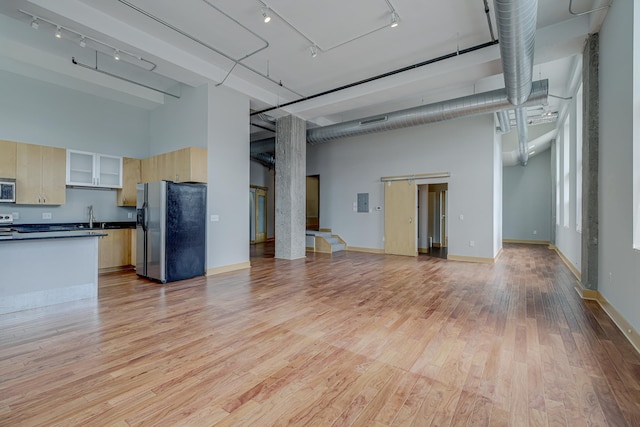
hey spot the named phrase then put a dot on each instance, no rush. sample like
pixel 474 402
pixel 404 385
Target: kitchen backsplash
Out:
pixel 75 209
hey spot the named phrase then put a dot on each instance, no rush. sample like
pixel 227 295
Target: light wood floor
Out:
pixel 349 339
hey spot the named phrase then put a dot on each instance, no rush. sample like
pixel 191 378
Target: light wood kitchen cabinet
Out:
pixel 130 178
pixel 185 165
pixel 8 159
pixel 40 175
pixel 114 249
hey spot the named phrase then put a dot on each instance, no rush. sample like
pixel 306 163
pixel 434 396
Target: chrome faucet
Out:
pixel 91 217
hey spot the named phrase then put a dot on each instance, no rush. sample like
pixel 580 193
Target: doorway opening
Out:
pixel 258 214
pixel 432 219
pixel 313 203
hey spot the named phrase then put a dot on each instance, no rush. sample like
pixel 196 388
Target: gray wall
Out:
pixel 619 263
pixel 527 200
pixel 463 147
pixel 42 113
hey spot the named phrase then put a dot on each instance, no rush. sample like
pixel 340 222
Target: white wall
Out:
pixel 527 199
pixel 42 113
pixel 265 177
pixel 180 123
pixel 463 147
pixel 618 262
pixel 228 189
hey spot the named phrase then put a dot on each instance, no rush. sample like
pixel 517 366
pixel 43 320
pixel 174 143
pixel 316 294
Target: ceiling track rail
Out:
pixel 414 177
pixel 236 61
pixel 381 76
pixel 115 76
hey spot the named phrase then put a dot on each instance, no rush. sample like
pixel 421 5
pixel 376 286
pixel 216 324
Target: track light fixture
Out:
pixel 265 14
pixel 116 55
pixel 314 51
pixel 394 19
pixel 58 32
pixel 34 23
pixel 83 42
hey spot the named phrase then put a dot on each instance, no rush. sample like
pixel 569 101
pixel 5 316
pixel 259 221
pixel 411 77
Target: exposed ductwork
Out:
pixel 516 21
pixel 541 143
pixel 482 103
pixel 265 159
pixel 503 121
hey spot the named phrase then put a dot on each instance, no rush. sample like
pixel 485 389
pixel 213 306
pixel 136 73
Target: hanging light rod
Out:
pixel 115 76
pixel 83 40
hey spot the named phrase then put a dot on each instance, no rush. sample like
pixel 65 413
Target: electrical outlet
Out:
pixel 472 243
pixel 535 232
pixel 46 215
pixel 16 215
pixel 461 217
pixel 130 215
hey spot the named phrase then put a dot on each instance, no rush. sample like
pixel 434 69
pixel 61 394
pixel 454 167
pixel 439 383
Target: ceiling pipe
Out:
pixel 265 159
pixel 540 144
pixel 516 22
pixel 466 106
pixel 504 123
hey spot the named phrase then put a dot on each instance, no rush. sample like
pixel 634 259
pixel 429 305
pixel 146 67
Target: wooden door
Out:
pixel 261 215
pixel 28 174
pixel 443 216
pixel 54 164
pixel 400 225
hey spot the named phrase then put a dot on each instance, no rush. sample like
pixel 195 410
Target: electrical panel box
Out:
pixel 363 202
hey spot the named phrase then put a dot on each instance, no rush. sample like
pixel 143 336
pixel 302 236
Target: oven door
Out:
pixel 7 191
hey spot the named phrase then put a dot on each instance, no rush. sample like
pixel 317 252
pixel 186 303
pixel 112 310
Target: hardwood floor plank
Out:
pixel 343 339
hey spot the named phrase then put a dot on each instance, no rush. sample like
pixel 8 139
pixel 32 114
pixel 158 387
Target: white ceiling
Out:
pixel 198 41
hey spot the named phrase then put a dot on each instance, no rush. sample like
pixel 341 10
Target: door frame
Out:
pixel 253 219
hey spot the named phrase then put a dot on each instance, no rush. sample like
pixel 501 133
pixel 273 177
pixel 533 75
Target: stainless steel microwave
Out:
pixel 7 190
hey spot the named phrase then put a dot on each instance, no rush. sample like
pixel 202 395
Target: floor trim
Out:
pixel 472 259
pixel 365 250
pixel 568 263
pixel 228 268
pixel 625 327
pixel 528 242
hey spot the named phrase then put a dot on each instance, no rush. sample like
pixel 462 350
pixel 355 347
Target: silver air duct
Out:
pixel 472 105
pixel 504 123
pixel 516 21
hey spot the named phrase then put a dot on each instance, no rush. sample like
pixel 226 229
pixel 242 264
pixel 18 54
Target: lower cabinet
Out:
pixel 114 249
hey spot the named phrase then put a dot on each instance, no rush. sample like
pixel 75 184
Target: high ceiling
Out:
pixel 192 42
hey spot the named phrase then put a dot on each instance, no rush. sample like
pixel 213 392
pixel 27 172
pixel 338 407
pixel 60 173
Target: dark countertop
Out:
pixel 74 226
pixel 15 236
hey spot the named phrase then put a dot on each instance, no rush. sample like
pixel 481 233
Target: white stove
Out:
pixel 6 221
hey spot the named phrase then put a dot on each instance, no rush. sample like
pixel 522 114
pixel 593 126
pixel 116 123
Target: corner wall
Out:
pixel 463 147
pixel 619 263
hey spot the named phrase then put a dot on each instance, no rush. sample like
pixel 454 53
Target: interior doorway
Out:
pixel 258 197
pixel 313 203
pixel 433 234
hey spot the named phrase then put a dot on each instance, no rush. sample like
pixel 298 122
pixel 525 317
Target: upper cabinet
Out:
pixel 185 165
pixel 8 159
pixel 93 170
pixel 40 175
pixel 130 178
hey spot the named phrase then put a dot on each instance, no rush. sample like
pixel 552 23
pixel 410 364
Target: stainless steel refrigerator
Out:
pixel 171 234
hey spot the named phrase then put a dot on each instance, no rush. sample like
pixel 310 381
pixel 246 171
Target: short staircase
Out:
pixel 326 242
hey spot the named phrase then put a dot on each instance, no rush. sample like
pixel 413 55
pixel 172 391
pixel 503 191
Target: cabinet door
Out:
pixel 148 169
pixel 114 250
pixel 130 177
pixel 8 159
pixel 28 174
pixel 166 166
pixel 54 162
pixel 81 168
pixel 109 171
pixel 190 165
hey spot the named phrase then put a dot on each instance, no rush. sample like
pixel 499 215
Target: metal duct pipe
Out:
pixel 541 143
pixel 523 135
pixel 265 159
pixel 263 145
pixel 516 21
pixel 472 105
pixel 503 121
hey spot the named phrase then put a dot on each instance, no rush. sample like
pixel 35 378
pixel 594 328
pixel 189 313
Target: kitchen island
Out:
pixel 46 268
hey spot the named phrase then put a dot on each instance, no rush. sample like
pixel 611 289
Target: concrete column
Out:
pixel 291 167
pixel 590 149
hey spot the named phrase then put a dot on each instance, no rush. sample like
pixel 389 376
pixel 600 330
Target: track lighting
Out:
pixel 314 51
pixel 265 15
pixel 34 23
pixel 58 32
pixel 116 55
pixel 83 42
pixel 394 19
